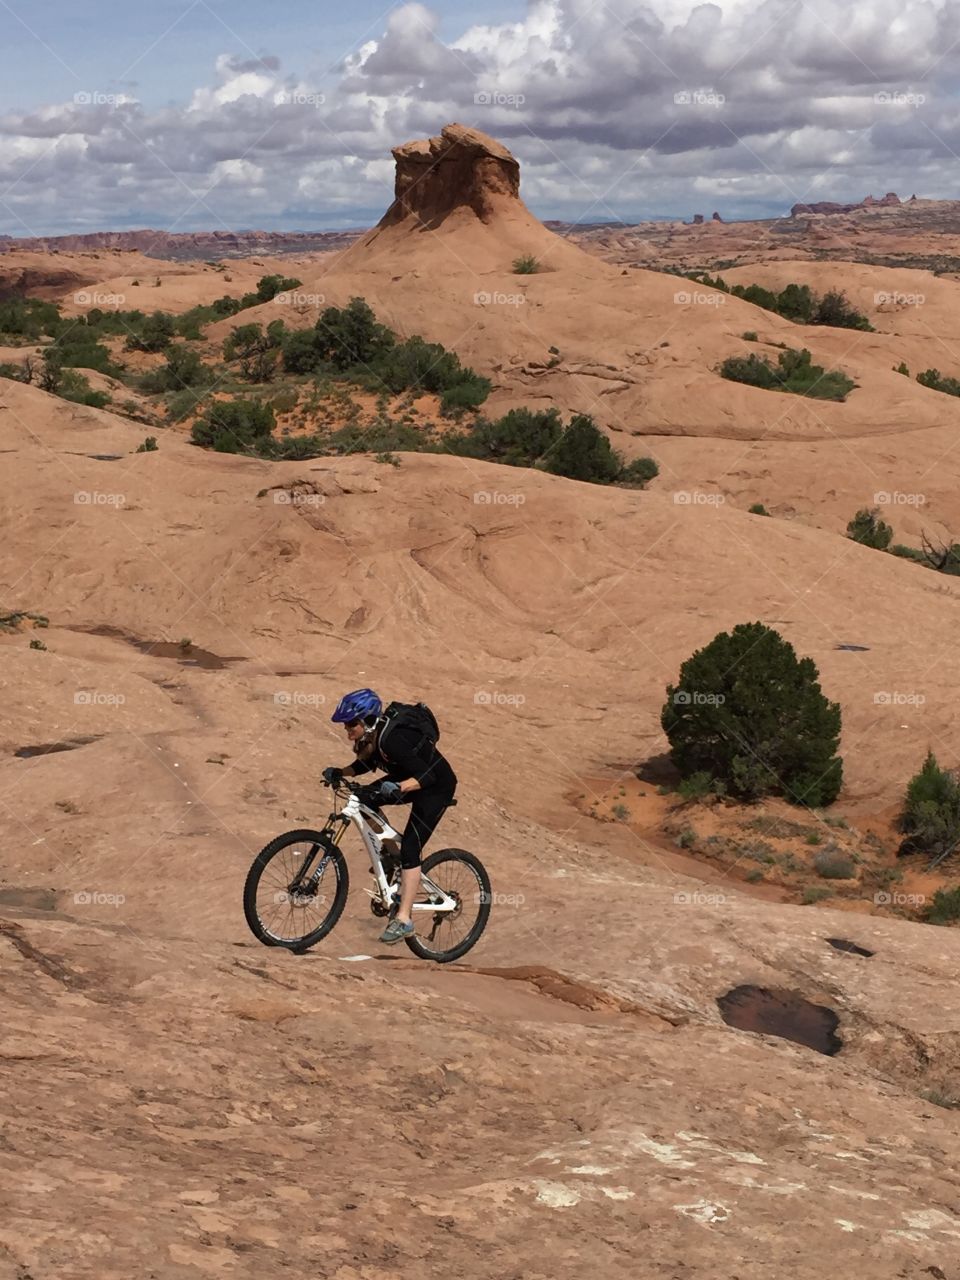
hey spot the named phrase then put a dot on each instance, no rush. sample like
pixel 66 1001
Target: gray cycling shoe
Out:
pixel 396 931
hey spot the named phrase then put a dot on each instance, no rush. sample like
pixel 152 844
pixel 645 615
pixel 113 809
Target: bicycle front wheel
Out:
pixel 296 890
pixel 447 935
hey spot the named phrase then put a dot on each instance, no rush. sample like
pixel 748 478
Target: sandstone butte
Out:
pixel 567 1101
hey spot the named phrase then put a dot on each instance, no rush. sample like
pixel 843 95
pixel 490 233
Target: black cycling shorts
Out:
pixel 426 810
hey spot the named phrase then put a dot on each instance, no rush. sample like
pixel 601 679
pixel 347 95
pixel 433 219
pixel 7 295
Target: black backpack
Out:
pixel 414 715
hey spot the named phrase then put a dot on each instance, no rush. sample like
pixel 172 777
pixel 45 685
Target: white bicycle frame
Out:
pixel 357 813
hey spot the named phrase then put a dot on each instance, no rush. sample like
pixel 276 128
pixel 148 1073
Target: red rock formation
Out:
pixel 698 219
pixel 188 246
pixel 458 168
pixel 715 217
pixel 831 206
pixel 49 284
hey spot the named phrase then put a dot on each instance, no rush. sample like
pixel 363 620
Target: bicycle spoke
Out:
pixel 444 930
pixel 287 916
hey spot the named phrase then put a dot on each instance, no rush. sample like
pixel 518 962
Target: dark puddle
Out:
pixel 99 457
pixel 841 944
pixel 774 1012
pixel 49 748
pixel 853 648
pixel 35 899
pixel 187 655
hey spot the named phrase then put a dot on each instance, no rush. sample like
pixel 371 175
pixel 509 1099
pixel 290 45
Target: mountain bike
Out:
pixel 296 889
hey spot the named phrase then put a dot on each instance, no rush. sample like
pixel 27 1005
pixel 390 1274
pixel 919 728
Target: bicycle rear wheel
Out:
pixel 448 935
pixel 296 890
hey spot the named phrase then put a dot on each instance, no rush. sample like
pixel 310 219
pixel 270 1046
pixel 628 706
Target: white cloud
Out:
pixel 781 107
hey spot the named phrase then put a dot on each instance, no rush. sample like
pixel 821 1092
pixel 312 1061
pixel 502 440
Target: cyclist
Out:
pixel 416 773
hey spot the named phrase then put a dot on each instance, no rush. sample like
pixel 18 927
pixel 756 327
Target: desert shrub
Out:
pixel 183 368
pixel 29 318
pixel 519 438
pixel 794 372
pixel 930 818
pixel 287 400
pixel 750 713
pixel 758 509
pixel 907 553
pixel 757 851
pixel 698 785
pixel 779 828
pixel 75 387
pixel 526 265
pixel 832 865
pixel 795 302
pixel 468 394
pixel 382 436
pixel 149 445
pixel 639 472
pixel 754 370
pixel 902 368
pixel 191 323
pixel 750 336
pixel 112 321
pixel 234 426
pixel 944 909
pixel 867 528
pixel 77 347
pixel 51 370
pixel 183 404
pixel 941 1098
pixel 269 286
pixel 426 366
pixel 15 372
pixel 942 555
pixel 834 309
pixel 351 340
pixel 190 329
pixel 295 448
pixel 815 893
pixel 583 452
pixel 304 351
pixel 931 378
pixel 351 336
pixel 257 350
pixel 155 333
pixel 527 437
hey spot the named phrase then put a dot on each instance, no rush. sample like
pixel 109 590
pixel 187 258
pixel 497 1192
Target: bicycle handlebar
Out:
pixel 346 784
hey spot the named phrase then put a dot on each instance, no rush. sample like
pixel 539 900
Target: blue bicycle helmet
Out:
pixel 361 704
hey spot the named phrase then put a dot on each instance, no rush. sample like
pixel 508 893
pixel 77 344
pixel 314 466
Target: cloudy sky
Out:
pixel 204 114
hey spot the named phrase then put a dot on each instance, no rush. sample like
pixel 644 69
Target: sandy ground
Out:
pixel 183 1102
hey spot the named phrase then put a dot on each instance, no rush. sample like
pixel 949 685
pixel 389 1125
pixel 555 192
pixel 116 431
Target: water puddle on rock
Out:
pixel 48 748
pixel 775 1012
pixel 98 457
pixel 35 899
pixel 842 944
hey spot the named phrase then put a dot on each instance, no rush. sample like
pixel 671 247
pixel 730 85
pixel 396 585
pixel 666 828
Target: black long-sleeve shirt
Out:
pixel 409 756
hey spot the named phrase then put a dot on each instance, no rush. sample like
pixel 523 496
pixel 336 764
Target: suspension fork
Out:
pixel 329 841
